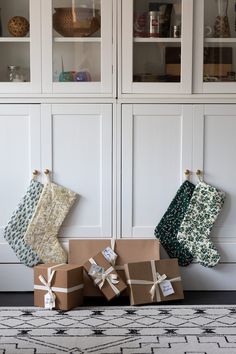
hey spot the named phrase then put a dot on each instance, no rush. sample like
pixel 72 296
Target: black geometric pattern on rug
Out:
pixel 119 330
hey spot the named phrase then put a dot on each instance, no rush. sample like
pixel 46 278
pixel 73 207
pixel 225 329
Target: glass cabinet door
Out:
pixel 20 43
pixel 77 46
pixel 156 46
pixel 215 37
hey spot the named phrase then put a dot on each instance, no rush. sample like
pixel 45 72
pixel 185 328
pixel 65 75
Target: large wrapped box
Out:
pixel 64 282
pixel 104 276
pixel 128 251
pixel 154 281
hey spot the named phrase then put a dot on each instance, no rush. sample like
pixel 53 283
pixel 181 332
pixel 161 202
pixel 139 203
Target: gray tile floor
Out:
pixel 191 298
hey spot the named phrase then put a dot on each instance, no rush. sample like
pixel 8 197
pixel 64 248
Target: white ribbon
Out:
pixel 47 285
pixel 101 278
pixel 157 279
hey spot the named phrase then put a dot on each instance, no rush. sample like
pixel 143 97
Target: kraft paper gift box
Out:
pixel 61 282
pixel 128 250
pixel 154 281
pixel 107 279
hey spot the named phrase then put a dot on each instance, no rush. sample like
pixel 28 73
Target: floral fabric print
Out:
pixel 41 235
pixel 16 228
pixel 167 230
pixel 195 229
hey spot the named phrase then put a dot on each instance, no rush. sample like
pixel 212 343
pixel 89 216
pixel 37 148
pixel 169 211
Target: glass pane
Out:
pixel 157 41
pixel 14 41
pixel 15 62
pixel 77 40
pixel 14 18
pixel 220 41
pixel 76 62
pixel 159 62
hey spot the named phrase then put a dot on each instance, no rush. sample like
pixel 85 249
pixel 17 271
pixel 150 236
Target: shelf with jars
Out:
pixel 157 46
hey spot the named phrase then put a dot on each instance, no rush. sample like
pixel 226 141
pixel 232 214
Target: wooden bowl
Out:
pixel 78 22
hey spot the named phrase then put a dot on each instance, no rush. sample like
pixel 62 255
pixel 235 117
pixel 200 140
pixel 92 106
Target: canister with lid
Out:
pixel 154 20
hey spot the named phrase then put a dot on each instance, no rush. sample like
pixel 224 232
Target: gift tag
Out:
pixel 49 301
pixel 166 288
pixel 110 255
pixel 95 269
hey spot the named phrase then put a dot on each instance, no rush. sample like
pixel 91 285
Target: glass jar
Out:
pixel 15 74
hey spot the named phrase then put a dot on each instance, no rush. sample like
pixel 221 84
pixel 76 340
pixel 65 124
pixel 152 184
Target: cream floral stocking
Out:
pixel 199 219
pixel 54 204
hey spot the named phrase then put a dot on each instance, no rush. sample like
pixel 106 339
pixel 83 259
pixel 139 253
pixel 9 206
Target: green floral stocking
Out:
pixel 195 229
pixel 166 231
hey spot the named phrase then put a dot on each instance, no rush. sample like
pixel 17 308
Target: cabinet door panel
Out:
pixel 156 148
pixel 19 156
pixel 218 136
pixel 79 152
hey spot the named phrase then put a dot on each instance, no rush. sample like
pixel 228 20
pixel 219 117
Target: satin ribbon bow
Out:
pixel 47 284
pixel 160 279
pixel 110 278
pixel 102 277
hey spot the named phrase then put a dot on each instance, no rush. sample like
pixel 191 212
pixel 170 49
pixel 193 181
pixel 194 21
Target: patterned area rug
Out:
pixel 119 330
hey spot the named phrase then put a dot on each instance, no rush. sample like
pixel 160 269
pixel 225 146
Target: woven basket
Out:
pixel 77 22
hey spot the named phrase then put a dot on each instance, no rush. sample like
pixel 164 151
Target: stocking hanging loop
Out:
pixel 199 174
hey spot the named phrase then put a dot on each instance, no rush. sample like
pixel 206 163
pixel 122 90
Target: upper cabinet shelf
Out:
pixel 157 40
pixel 77 39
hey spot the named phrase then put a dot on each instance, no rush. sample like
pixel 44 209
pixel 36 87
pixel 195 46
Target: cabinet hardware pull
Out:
pixel 35 173
pixel 187 173
pixel 46 172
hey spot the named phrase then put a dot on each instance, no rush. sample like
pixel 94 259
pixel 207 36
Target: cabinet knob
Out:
pixel 198 173
pixel 46 171
pixel 35 173
pixel 187 173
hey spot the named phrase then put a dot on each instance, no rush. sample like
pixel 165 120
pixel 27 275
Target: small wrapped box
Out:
pixel 58 286
pixel 128 251
pixel 154 281
pixel 104 276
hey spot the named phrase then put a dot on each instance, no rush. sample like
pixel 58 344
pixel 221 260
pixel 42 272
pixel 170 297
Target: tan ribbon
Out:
pixel 101 278
pixel 157 279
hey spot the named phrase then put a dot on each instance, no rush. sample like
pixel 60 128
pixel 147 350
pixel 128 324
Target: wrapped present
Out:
pixel 128 251
pixel 58 286
pixel 154 281
pixel 104 276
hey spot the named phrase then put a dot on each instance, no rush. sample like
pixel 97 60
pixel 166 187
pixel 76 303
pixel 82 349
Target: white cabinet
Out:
pixel 159 143
pixel 75 143
pixel 19 156
pixel 75 61
pixel 214 154
pixel 23 52
pixel 159 62
pixel 214 59
pixel 156 150
pixel 68 48
pixel 77 148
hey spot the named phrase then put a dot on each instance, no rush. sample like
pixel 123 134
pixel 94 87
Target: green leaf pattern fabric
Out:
pixel 16 228
pixel 195 229
pixel 167 229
